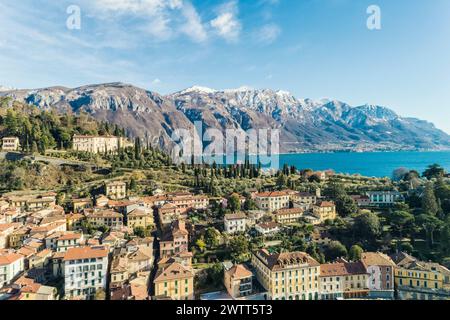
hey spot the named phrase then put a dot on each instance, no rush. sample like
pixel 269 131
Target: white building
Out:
pixel 272 201
pixel 11 265
pixel 384 198
pixel 99 144
pixel 235 223
pixel 268 228
pixel 85 271
pixel 10 144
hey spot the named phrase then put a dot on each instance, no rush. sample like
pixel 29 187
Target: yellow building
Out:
pixel 74 221
pixel 140 218
pixel 325 210
pixel 287 216
pixel 238 281
pixel 175 282
pixel 18 236
pixel 287 276
pixel 422 280
pixel 106 218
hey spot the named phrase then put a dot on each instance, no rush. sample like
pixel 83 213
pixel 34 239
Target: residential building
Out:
pixel 238 281
pixel 31 290
pixel 85 271
pixel 6 229
pixel 304 197
pixel 140 218
pixel 116 190
pixel 325 210
pixel 420 280
pixel 98 144
pixel 80 204
pixel 288 216
pixel 106 218
pixel 175 282
pixel 287 276
pixel 235 223
pixel 174 241
pixel 380 268
pixel 11 265
pixel 10 144
pixel 361 201
pixel 32 202
pixel 267 228
pixel 343 280
pixel 169 213
pixel 384 198
pixel 74 221
pixel 271 201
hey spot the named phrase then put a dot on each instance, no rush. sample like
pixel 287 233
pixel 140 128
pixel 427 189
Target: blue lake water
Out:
pixel 372 164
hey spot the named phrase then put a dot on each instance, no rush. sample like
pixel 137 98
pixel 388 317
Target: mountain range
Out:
pixel 306 125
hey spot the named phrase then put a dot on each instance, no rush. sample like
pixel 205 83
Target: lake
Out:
pixel 371 164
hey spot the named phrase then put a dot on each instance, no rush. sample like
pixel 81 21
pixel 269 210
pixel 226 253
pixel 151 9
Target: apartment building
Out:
pixel 238 281
pixel 140 218
pixel 272 201
pixel 415 279
pixel 116 190
pixel 106 218
pixel 11 265
pixel 268 229
pixel 343 280
pixel 32 202
pixel 384 198
pixel 287 276
pixel 234 223
pixel 288 216
pixel 380 268
pixel 85 271
pixel 304 197
pixel 325 210
pixel 175 282
pixel 174 241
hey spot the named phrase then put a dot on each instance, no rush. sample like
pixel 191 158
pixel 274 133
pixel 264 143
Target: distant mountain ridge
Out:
pixel 306 125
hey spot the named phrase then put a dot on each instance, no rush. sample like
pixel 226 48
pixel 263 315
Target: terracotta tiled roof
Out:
pixel 376 259
pixel 284 260
pixel 342 269
pixel 284 212
pixel 85 253
pixel 9 258
pixel 239 272
pixel 235 216
pixel 272 194
pixel 173 272
pixel 324 204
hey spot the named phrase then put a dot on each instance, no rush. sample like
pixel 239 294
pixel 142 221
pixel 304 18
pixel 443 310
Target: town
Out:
pixel 103 218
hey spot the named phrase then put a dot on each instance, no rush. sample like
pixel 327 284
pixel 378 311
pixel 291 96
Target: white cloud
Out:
pixel 160 16
pixel 268 33
pixel 193 26
pixel 227 24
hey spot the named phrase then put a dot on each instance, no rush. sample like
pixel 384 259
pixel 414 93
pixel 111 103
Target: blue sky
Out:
pixel 312 48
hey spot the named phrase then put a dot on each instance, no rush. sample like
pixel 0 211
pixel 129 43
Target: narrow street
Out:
pixel 156 254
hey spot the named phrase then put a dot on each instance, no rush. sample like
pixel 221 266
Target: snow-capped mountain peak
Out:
pixel 198 89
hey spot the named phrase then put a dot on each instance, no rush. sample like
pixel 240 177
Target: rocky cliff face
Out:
pixel 305 124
